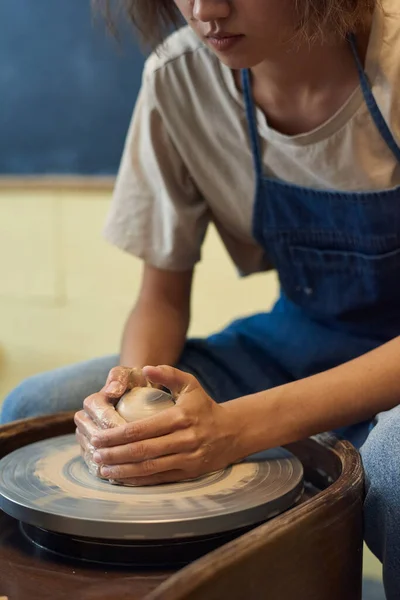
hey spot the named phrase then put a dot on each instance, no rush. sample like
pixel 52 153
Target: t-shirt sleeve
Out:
pixel 156 213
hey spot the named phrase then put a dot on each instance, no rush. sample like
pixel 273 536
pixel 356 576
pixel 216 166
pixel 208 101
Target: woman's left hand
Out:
pixel 195 437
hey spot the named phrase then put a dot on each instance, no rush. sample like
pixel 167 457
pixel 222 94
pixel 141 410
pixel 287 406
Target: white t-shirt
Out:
pixel 187 159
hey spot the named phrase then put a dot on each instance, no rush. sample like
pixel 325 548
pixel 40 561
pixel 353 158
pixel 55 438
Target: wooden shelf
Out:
pixel 62 182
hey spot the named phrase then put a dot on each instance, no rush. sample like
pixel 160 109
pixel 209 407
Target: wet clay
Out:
pixel 143 402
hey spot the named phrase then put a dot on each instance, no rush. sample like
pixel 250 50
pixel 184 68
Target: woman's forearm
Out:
pixel 351 393
pixel 154 334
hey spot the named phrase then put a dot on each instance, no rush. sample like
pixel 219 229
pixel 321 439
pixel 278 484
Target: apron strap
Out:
pixel 252 123
pixel 371 102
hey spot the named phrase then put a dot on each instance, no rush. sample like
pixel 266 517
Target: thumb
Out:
pixel 178 382
pixel 122 379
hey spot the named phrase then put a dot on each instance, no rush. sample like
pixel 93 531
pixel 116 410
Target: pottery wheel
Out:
pixel 47 484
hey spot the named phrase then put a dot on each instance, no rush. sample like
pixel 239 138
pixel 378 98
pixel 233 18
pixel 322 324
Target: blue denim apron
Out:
pixel 337 255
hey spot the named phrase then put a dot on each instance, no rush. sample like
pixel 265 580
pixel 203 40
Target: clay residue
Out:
pixel 77 482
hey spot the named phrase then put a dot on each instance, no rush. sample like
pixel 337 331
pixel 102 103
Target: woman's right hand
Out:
pixel 99 410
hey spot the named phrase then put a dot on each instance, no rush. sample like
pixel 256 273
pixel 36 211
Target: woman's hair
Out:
pixel 155 18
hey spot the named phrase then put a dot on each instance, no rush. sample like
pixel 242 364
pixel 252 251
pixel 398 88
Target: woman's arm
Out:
pixel 155 332
pixel 198 436
pixel 351 393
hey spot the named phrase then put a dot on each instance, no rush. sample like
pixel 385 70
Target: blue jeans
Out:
pixel 66 388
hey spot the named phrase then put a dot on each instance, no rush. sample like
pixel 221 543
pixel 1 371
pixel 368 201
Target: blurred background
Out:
pixel 67 92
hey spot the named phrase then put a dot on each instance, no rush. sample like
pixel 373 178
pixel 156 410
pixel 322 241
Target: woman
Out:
pixel 279 122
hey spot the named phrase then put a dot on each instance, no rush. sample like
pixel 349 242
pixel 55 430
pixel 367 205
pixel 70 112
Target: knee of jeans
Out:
pixel 380 455
pixel 382 477
pixel 22 402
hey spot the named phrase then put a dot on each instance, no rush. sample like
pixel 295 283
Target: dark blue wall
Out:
pixel 67 90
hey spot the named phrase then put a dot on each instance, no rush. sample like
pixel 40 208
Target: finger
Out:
pixel 143 469
pixel 84 443
pixel 163 423
pixel 167 477
pixel 85 424
pixel 178 382
pixel 179 442
pixel 103 413
pixel 122 379
pixel 87 453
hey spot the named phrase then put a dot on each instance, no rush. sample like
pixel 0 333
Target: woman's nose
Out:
pixel 211 10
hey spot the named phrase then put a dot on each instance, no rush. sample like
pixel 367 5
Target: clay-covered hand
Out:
pixel 99 410
pixel 192 438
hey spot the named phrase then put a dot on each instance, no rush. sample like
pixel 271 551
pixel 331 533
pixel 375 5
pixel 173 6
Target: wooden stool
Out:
pixel 311 552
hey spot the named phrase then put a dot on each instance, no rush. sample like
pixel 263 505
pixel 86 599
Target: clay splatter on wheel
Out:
pixel 47 484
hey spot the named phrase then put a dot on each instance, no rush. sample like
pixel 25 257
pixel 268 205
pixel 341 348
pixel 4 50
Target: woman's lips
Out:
pixel 224 43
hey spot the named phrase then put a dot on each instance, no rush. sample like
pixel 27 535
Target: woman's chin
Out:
pixel 238 62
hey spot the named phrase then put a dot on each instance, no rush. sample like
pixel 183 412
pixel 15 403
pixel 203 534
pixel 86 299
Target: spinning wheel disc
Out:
pixel 47 484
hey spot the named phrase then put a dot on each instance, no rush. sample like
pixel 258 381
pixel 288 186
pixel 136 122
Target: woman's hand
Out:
pixel 99 410
pixel 195 437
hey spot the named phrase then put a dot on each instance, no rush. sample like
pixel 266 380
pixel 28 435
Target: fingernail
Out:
pixel 96 442
pixel 148 368
pixel 114 388
pixel 106 471
pixel 97 457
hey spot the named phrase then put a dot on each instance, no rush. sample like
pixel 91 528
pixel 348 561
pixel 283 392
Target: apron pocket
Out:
pixel 334 283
